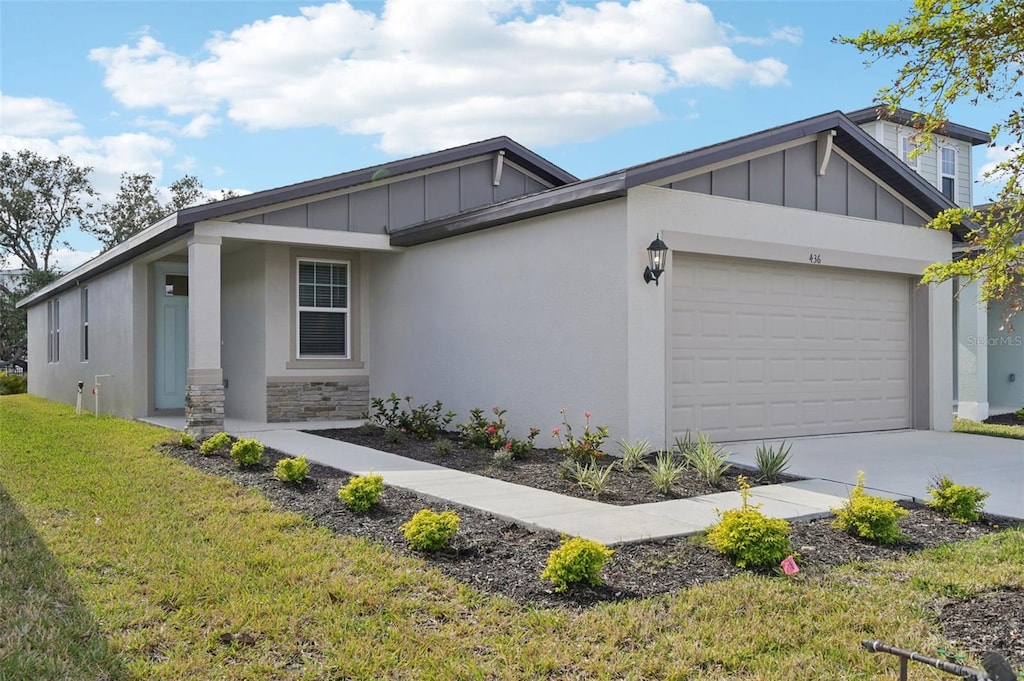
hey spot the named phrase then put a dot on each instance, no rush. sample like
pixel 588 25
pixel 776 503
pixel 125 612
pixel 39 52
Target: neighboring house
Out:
pixel 484 275
pixel 11 279
pixel 988 361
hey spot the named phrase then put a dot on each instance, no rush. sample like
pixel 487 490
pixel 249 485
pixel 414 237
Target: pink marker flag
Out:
pixel 789 566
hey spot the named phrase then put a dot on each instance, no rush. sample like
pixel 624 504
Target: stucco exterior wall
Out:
pixel 113 316
pixel 531 317
pixel 243 329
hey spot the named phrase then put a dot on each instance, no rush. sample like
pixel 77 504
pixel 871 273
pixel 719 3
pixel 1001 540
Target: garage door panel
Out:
pixel 764 349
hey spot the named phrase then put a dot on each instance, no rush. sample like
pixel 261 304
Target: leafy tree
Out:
pixel 14 322
pixel 185 192
pixel 137 206
pixel 966 51
pixel 39 199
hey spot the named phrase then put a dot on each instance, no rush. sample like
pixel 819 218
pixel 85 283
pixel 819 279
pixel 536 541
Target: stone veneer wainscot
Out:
pixel 322 400
pixel 204 409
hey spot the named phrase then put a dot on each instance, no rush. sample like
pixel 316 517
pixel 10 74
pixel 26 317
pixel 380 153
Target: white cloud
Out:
pixel 788 34
pixel 107 156
pixel 36 117
pixel 66 259
pixel 993 157
pixel 422 76
pixel 793 35
pixel 990 179
pixel 186 164
pixel 200 126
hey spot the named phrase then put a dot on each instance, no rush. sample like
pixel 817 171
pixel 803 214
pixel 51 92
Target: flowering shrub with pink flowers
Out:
pixel 587 446
pixel 492 434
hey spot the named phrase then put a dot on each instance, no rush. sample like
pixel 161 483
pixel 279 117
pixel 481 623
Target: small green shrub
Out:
pixel 482 433
pixel 748 537
pixel 215 444
pixel 423 422
pixel 392 435
pixel 187 440
pixel 502 458
pixel 664 472
pixel 961 503
pixel 1020 415
pixel 771 462
pixel 367 428
pixel 685 444
pixel 247 451
pixel 291 470
pixel 443 447
pixel 430 531
pixel 426 420
pixel 588 475
pixel 362 492
pixel 576 560
pixel 633 454
pixel 13 384
pixel 707 458
pixel 584 448
pixel 869 517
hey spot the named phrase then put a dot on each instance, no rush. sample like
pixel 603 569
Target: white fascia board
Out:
pixel 304 236
pixel 84 270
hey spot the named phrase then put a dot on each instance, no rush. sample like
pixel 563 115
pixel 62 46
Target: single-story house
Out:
pixel 485 275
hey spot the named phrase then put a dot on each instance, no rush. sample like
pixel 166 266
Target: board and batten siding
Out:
pixel 391 206
pixel 788 178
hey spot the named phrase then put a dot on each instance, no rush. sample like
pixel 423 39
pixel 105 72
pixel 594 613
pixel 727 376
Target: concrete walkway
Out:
pixel 531 507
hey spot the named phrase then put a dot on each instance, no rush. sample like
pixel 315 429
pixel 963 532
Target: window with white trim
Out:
pixel 947 172
pixel 907 146
pixel 85 324
pixel 53 331
pixel 323 309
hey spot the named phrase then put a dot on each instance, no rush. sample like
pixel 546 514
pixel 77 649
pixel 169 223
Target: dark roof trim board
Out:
pixel 907 117
pixel 849 137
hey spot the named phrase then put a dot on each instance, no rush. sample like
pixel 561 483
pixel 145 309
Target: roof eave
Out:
pixel 167 229
pixel 906 117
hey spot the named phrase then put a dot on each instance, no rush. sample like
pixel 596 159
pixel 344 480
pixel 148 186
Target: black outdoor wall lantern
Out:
pixel 656 253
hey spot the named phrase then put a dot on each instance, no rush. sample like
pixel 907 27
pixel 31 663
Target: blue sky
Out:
pixel 252 95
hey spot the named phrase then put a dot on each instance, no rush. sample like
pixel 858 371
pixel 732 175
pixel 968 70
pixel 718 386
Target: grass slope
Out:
pixel 120 563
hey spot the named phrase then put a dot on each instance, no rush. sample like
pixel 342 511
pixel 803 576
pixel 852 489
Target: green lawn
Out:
pixel 121 563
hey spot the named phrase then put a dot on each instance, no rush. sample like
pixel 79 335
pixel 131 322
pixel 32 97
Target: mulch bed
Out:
pixel 1010 419
pixel 505 558
pixel 538 470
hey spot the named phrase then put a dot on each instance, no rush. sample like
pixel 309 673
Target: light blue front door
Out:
pixel 170 348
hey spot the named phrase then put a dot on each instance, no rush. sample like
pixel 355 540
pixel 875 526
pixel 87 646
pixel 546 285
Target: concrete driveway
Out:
pixel 903 462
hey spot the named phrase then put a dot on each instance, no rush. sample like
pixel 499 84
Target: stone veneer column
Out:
pixel 204 393
pixel 972 354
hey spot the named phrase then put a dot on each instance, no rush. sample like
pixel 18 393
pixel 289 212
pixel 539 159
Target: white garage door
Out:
pixel 762 349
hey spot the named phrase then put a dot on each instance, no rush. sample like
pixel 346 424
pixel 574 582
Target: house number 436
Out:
pixel 815 258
